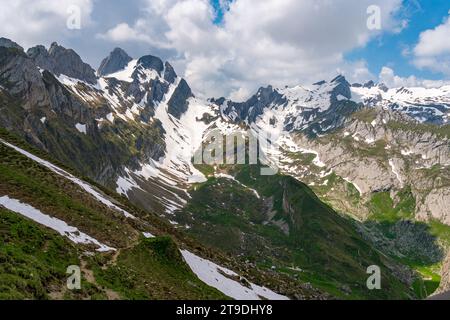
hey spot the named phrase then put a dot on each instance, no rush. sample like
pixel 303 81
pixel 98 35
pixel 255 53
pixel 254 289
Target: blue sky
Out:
pixel 230 48
pixel 391 49
pixel 387 50
pixel 219 8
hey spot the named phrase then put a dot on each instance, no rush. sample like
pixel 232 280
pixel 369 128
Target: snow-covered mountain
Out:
pixel 134 125
pixel 142 124
pixel 426 105
pixel 371 136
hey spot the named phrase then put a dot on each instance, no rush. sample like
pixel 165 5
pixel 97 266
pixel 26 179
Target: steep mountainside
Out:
pixel 321 132
pixel 51 219
pixel 376 158
pixel 386 166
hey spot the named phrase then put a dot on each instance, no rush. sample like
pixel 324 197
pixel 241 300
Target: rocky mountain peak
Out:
pixel 117 60
pixel 169 73
pixel 383 87
pixel 342 88
pixel 253 107
pixel 59 60
pixel 178 103
pixel 151 62
pixel 340 79
pixel 319 83
pixel 369 84
pixel 4 42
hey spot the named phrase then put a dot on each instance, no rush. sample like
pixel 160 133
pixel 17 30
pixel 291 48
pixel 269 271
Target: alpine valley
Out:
pixel 97 170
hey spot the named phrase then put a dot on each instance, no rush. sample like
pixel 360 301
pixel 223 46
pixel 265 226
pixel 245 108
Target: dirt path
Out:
pixel 89 277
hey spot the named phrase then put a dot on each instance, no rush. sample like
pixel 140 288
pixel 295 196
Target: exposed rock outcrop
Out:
pixel 59 60
pixel 9 44
pixel 117 60
pixel 178 103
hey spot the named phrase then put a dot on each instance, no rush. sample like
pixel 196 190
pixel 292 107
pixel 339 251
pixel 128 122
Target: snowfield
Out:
pixel 214 276
pixel 59 226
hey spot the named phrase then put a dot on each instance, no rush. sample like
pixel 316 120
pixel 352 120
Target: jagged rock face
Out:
pixel 150 62
pixel 84 133
pixel 169 73
pixel 147 86
pixel 9 44
pixel 252 108
pixel 117 60
pixel 374 149
pixel 59 60
pixel 342 88
pixel 434 205
pixel 178 103
pixel 314 111
pixel 20 77
pixel 106 131
pixel 386 151
pixel 41 57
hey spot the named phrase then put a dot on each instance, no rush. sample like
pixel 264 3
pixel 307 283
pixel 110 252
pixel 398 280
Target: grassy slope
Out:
pixel 34 258
pixel 153 269
pixel 326 246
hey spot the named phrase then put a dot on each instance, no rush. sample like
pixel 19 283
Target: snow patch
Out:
pixel 394 171
pixel 370 140
pixel 406 152
pixel 124 74
pixel 182 138
pixel 110 117
pixel 86 187
pixel 81 128
pixel 354 184
pixel 125 184
pixel 148 235
pixel 53 223
pixel 213 275
pixel 226 176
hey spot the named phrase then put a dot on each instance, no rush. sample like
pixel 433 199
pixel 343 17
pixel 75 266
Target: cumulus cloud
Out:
pixel 433 49
pixel 389 78
pixel 279 42
pixel 29 22
pixel 123 32
pixel 256 43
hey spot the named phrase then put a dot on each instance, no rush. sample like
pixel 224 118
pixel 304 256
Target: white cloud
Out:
pixel 433 49
pixel 389 78
pixel 125 33
pixel 279 42
pixel 31 22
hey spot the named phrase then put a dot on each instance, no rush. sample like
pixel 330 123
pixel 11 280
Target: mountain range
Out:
pixel 363 180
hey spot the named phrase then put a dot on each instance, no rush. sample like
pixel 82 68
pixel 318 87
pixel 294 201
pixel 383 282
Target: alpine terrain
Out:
pixel 98 170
